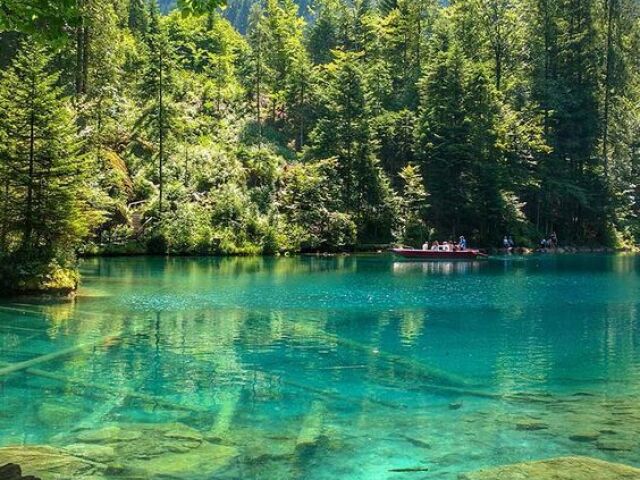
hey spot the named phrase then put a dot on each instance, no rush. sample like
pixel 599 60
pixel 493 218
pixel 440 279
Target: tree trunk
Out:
pixel 607 87
pixel 161 125
pixel 80 50
pixel 28 217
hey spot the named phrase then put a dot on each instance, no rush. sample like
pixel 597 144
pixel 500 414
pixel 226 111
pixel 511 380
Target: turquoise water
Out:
pixel 326 368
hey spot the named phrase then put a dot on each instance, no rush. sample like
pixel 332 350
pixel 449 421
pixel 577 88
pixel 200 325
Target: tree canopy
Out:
pixel 351 122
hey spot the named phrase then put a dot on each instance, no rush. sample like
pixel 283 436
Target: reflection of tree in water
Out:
pixel 411 326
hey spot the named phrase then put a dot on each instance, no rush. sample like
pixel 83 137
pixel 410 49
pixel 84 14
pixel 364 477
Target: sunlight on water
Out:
pixel 325 368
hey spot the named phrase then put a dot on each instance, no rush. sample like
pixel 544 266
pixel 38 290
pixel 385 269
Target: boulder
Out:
pixel 51 463
pixel 563 468
pixel 11 471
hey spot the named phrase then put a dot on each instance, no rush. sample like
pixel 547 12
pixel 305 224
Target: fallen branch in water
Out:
pixel 409 470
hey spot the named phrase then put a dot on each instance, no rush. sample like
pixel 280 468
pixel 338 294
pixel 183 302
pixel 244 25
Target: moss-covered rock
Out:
pixel 563 468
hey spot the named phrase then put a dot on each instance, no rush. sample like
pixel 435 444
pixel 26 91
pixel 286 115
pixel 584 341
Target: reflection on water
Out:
pixel 437 267
pixel 320 368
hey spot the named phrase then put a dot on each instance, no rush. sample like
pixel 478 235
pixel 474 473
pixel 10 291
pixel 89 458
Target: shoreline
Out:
pixel 67 294
pixel 366 249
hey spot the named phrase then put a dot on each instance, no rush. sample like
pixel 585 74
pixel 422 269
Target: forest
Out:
pixel 325 127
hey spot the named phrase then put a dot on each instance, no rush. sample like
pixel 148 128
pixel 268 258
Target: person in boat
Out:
pixel 445 246
pixel 512 244
pixel 425 245
pixel 553 239
pixel 505 243
pixel 435 245
pixel 462 243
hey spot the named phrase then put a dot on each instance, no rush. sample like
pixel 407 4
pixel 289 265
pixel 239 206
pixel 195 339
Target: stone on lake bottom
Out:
pixel 615 444
pixel 531 425
pixel 563 468
pixel 207 460
pixel 96 453
pixel 111 434
pixel 584 436
pixel 50 463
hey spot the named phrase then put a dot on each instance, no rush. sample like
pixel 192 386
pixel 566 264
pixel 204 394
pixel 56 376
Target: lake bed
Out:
pixel 354 367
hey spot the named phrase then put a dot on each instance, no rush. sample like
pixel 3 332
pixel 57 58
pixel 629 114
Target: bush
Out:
pixel 23 273
pixel 157 244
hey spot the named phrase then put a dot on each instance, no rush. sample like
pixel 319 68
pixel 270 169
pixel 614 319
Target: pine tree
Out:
pixel 138 20
pixel 344 131
pixel 413 206
pixel 159 113
pixel 43 175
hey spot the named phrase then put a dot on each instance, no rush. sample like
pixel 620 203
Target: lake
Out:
pixel 350 367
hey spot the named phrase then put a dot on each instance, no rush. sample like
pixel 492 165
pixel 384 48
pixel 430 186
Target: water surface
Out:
pixel 347 367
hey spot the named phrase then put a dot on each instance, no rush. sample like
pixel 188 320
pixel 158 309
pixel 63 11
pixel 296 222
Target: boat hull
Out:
pixel 438 255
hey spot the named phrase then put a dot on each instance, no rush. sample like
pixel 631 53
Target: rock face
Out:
pixel 563 468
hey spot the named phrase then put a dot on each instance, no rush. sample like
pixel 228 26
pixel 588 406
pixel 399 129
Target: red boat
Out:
pixel 466 254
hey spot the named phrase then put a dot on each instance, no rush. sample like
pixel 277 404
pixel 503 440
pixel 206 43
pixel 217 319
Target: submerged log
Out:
pixel 409 470
pixel 114 391
pixel 17 367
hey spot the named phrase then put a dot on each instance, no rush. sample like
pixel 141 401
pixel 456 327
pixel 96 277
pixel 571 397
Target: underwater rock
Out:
pixel 54 414
pixel 182 431
pixel 142 451
pixel 51 463
pixel 531 425
pixel 110 434
pixel 207 460
pixel 455 405
pixel 563 468
pixel 96 453
pixel 615 444
pixel 584 436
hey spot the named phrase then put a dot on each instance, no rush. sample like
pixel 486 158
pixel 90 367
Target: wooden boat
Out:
pixel 467 254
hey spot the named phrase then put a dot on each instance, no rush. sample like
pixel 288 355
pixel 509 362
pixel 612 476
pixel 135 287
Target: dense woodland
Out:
pixel 123 129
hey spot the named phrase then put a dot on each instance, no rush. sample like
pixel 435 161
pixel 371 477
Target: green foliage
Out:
pixel 45 180
pixel 412 228
pixel 199 7
pixel 324 126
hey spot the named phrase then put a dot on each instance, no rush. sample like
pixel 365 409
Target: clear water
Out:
pixel 347 367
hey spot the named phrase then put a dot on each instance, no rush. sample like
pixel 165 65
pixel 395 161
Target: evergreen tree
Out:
pixel 45 181
pixel 159 113
pixel 413 205
pixel 138 18
pixel 344 131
